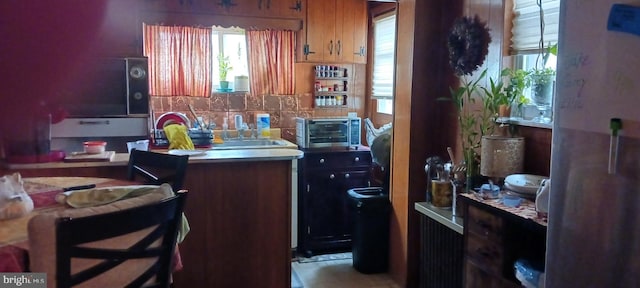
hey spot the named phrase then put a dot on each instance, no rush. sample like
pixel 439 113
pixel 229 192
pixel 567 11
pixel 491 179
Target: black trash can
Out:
pixel 370 238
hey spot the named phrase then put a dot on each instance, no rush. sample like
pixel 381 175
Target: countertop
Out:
pixel 210 156
pixel 444 217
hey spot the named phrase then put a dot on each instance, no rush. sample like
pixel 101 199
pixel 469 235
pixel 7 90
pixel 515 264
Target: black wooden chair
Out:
pixel 158 168
pixel 161 221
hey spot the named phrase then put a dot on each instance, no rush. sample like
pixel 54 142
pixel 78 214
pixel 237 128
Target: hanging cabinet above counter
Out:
pixel 335 32
pixel 250 8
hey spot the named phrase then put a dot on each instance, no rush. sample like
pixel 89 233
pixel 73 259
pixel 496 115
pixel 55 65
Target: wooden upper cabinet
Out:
pixel 360 31
pixel 251 8
pixel 195 6
pixel 274 8
pixel 335 31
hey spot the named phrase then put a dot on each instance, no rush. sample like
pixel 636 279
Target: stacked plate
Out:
pixel 172 118
pixel 523 185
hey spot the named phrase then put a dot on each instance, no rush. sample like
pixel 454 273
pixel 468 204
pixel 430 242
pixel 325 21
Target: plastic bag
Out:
pixel 529 276
pixel 14 200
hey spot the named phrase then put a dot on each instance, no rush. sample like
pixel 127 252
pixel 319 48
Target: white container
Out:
pixel 238 120
pixel 138 145
pixel 241 83
pixel 263 123
pixel 94 147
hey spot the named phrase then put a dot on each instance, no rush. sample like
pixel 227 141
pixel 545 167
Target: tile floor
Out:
pixel 338 274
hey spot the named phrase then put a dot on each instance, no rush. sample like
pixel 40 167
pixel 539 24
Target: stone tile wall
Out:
pixel 282 108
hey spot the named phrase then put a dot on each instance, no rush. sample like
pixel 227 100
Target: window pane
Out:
pixel 215 51
pixel 385 106
pixel 235 46
pixel 383 57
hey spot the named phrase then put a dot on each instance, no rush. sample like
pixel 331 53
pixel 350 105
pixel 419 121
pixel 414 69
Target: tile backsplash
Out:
pixel 282 108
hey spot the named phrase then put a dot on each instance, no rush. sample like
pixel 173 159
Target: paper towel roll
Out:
pixel 241 83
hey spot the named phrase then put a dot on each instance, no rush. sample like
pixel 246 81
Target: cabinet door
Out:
pixel 326 207
pixel 320 31
pixel 360 31
pixel 284 8
pixel 189 6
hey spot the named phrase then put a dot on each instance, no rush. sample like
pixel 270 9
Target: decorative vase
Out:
pixel 504 111
pixel 224 85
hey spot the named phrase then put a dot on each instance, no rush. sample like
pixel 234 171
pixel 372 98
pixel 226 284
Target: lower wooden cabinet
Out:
pixel 494 239
pixel 324 210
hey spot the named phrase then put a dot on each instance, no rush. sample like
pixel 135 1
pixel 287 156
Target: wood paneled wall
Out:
pixel 424 127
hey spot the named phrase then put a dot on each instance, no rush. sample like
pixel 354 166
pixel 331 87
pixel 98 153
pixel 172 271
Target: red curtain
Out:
pixel 179 60
pixel 271 61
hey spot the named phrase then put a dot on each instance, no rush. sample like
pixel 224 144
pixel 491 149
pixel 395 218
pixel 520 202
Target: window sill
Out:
pixel 523 122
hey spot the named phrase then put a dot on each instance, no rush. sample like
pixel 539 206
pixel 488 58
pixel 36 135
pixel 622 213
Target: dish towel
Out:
pixel 105 195
pixel 178 137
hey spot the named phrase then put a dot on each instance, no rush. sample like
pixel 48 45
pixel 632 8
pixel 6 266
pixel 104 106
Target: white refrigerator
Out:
pixel 593 237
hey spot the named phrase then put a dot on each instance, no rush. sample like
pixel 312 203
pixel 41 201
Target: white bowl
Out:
pixel 94 147
pixel 524 183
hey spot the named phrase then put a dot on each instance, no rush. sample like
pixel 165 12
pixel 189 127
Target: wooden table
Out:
pixel 14 240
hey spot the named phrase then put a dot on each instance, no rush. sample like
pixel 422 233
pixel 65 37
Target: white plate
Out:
pixel 187 152
pixel 523 183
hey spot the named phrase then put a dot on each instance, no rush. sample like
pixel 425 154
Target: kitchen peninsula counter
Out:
pixel 211 156
pixel 239 210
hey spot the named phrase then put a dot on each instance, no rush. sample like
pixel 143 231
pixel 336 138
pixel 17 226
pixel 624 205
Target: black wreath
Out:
pixel 468 44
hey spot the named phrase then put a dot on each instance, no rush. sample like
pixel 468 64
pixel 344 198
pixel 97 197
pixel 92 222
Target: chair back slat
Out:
pixel 161 219
pixel 157 168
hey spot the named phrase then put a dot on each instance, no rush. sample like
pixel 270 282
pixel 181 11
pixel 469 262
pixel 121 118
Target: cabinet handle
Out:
pixel 483 253
pixel 268 4
pixel 331 47
pixel 339 48
pixel 259 4
pixel 322 160
pixel 347 175
pixel 485 226
pixel 307 50
pixel 94 122
pixel 357 159
pixel 332 176
pixel 297 6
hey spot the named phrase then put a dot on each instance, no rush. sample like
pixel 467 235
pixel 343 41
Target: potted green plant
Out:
pixel 517 81
pixel 505 91
pixel 542 81
pixel 224 66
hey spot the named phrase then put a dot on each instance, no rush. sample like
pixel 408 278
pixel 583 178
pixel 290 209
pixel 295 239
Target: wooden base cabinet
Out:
pixel 494 239
pixel 325 176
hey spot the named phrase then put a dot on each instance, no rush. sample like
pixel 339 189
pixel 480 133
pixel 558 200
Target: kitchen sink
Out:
pixel 253 144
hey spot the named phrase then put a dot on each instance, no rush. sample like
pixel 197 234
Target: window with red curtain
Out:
pixel 271 61
pixel 179 60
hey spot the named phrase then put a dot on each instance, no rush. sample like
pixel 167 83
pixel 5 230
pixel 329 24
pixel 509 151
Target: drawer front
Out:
pixel 338 160
pixel 475 277
pixel 485 253
pixel 484 224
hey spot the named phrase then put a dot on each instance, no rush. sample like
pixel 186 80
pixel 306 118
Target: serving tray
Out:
pixel 85 157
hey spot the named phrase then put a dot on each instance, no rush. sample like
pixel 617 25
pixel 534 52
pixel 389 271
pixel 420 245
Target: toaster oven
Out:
pixel 328 132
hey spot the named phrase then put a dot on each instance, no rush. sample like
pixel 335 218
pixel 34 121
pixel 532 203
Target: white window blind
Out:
pixel 526 25
pixel 384 50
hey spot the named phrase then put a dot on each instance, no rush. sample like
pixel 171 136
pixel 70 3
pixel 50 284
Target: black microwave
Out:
pixel 108 87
